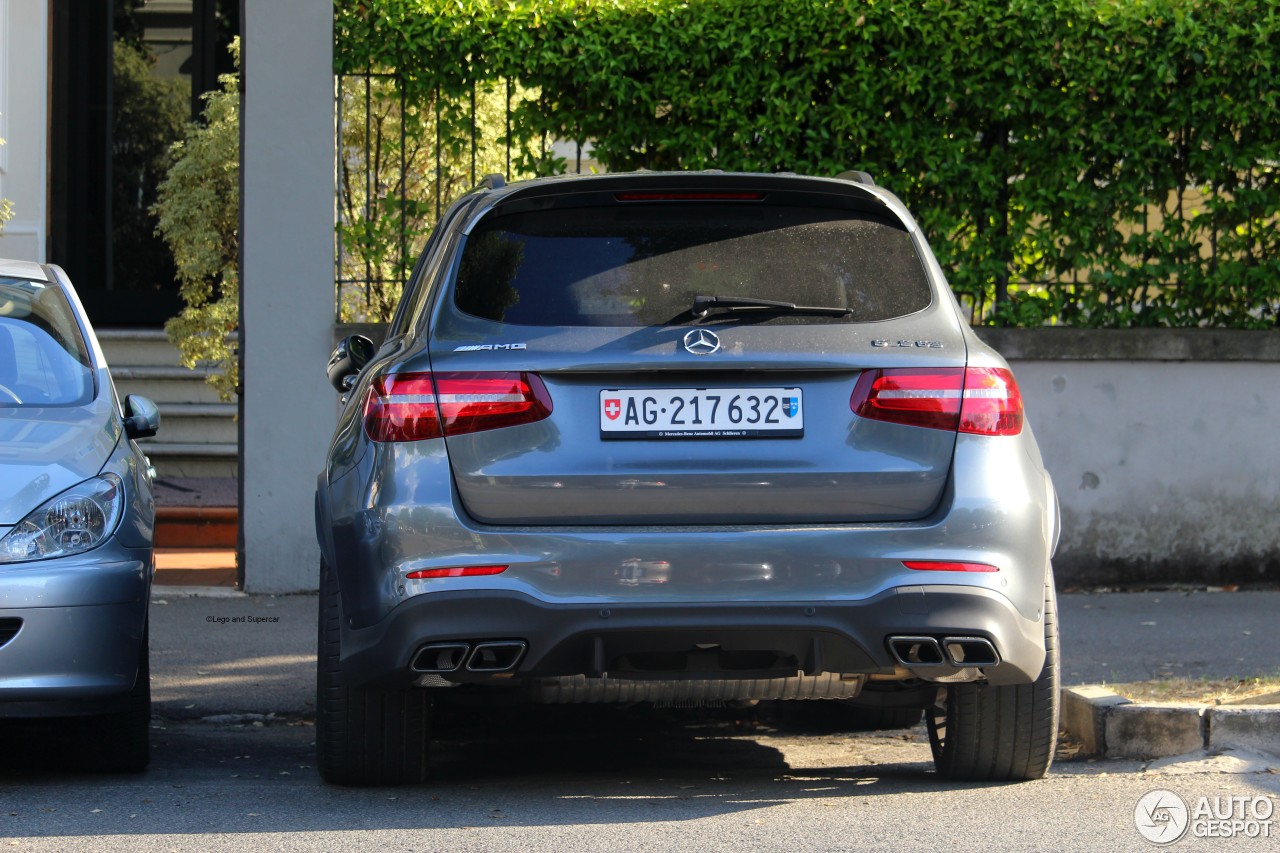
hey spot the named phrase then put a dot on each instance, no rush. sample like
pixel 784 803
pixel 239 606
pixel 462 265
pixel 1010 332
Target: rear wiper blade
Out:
pixel 703 305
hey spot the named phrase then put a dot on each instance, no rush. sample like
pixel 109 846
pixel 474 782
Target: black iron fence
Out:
pixel 401 161
pixel 1202 252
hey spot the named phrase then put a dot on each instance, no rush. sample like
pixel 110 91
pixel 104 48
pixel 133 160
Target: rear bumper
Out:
pixel 683 640
pixel 77 643
pixel 378 525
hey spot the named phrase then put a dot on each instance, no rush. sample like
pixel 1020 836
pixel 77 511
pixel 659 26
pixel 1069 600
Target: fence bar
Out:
pixel 404 170
pixel 341 168
pixel 368 183
pixel 439 170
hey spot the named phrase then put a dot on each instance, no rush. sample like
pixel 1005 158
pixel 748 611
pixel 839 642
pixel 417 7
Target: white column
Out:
pixel 286 245
pixel 24 125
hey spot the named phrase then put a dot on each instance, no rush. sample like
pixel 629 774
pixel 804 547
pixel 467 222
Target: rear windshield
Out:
pixel 43 358
pixel 643 265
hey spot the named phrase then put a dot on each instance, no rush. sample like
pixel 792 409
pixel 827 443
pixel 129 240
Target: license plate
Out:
pixel 702 413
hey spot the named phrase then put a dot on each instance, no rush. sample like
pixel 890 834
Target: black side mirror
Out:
pixel 141 416
pixel 348 359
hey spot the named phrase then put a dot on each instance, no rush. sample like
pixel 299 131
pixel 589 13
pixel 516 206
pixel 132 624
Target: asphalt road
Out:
pixel 226 776
pixel 598 780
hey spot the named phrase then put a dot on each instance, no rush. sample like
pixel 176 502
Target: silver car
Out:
pixel 76 519
pixel 684 437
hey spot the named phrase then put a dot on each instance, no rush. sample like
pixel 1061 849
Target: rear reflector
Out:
pixel 975 400
pixel 417 406
pixel 456 572
pixel 947 566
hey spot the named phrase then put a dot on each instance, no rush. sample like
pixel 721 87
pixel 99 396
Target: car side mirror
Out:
pixel 348 359
pixel 141 416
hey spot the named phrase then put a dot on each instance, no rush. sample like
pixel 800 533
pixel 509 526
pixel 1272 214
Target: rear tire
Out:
pixel 984 732
pixel 364 736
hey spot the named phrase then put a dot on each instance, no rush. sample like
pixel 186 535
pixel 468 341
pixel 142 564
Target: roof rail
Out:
pixel 492 182
pixel 857 177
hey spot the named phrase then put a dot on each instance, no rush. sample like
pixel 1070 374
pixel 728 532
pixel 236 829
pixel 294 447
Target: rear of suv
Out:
pixel 695 437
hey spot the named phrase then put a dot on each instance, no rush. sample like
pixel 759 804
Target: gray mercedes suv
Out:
pixel 694 437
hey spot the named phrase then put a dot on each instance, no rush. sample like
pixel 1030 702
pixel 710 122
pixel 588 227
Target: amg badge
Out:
pixel 478 347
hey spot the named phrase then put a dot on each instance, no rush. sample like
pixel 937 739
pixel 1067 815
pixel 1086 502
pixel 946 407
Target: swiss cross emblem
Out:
pixel 612 408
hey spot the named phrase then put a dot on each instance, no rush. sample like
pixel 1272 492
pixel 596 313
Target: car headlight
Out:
pixel 75 521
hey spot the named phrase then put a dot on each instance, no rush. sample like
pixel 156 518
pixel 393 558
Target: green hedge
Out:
pixel 1086 162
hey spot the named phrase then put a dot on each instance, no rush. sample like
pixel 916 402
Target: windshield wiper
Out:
pixel 703 305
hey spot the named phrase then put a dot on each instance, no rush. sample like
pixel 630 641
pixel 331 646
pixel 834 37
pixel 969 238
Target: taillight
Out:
pixel 927 398
pixel 992 402
pixel 402 407
pixel 417 406
pixel 976 400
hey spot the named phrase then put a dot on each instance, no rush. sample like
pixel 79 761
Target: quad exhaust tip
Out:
pixel 953 651
pixel 440 657
pixel 970 651
pixel 916 651
pixel 486 656
pixel 497 656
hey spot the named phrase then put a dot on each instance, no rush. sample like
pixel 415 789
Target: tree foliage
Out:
pixel 199 215
pixel 1089 162
pixel 401 160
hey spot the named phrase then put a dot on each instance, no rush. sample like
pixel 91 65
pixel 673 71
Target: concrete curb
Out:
pixel 165 591
pixel 1111 726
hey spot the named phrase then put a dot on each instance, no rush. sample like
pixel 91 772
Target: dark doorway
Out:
pixel 126 76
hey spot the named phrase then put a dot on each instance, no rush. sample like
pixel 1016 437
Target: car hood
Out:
pixel 44 451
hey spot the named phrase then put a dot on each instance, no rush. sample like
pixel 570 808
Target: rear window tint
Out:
pixel 643 266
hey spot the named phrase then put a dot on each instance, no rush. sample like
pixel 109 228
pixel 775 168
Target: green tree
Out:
pixel 198 215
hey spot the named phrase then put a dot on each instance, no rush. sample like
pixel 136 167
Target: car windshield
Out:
pixel 43 357
pixel 645 266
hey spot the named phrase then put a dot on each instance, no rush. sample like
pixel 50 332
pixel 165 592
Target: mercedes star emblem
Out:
pixel 701 342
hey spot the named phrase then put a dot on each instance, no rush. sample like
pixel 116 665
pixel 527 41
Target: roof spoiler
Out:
pixel 857 177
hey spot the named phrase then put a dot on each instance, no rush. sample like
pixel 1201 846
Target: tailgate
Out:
pixel 821 463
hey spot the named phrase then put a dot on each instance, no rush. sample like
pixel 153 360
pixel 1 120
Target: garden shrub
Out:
pixel 1085 162
pixel 198 215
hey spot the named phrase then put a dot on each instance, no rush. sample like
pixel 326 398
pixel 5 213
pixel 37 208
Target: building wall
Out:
pixel 24 95
pixel 1164 446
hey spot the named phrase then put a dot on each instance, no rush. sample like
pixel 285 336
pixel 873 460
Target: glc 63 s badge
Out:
pixel 922 344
